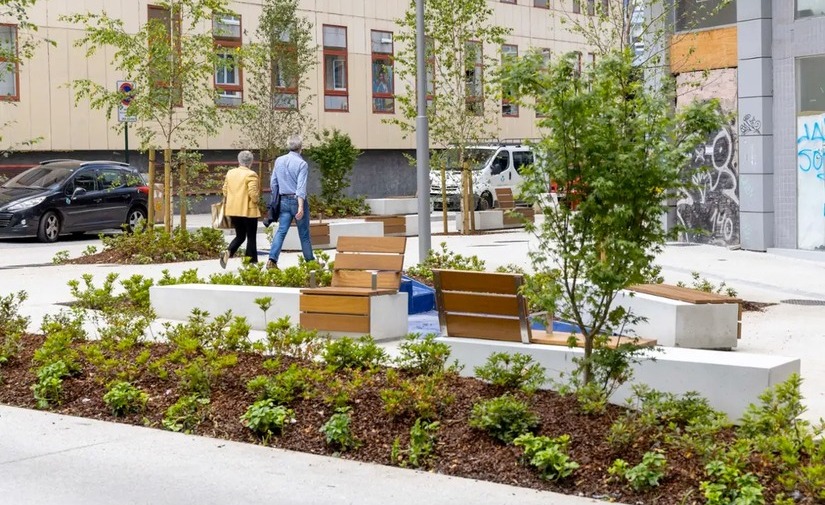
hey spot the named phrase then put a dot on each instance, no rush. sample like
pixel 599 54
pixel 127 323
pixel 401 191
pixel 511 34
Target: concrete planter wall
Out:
pixel 393 206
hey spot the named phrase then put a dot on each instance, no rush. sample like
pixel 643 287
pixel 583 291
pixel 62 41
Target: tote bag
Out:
pixel 219 219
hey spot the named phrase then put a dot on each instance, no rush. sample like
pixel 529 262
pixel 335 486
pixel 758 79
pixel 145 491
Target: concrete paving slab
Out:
pixel 50 459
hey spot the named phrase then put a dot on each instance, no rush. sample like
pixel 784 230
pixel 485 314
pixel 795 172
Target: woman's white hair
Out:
pixel 294 143
pixel 245 159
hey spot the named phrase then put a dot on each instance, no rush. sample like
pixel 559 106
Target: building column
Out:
pixel 755 124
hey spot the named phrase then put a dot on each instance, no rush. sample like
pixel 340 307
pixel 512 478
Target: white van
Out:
pixel 494 166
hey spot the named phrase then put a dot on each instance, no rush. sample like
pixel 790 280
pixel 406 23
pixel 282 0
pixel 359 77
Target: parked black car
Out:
pixel 71 196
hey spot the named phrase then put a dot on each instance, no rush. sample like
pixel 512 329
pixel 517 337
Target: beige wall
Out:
pixel 47 109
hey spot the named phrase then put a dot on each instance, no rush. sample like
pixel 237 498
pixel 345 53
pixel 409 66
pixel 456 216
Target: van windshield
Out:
pixel 475 157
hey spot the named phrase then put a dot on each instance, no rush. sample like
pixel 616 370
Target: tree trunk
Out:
pixel 471 197
pixel 444 196
pixel 150 212
pixel 167 189
pixel 183 188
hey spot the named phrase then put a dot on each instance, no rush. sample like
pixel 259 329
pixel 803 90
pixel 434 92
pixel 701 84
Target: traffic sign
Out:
pixel 125 87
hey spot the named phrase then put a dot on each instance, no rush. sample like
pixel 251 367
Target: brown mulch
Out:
pixel 460 450
pixel 750 306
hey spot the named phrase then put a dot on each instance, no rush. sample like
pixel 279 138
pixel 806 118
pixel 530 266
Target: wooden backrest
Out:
pixel 481 305
pixel 505 198
pixel 359 257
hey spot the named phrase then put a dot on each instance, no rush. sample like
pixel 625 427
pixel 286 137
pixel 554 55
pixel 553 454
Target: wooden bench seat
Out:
pixel 363 296
pixel 484 305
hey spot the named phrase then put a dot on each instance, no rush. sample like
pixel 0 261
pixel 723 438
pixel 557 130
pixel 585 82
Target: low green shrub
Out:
pixel 284 387
pixel 517 371
pixel 423 396
pixel 254 274
pixel 351 354
pixel 645 475
pixel 49 385
pixel 124 398
pixel 505 418
pixel 727 483
pixel 265 418
pixel 338 432
pixel 444 259
pixel 147 245
pixel 422 442
pixel 548 455
pixel 199 375
pixel 422 355
pixel 12 326
pixel 707 286
pixel 62 331
pixel 186 414
pixel 285 339
pixel 343 206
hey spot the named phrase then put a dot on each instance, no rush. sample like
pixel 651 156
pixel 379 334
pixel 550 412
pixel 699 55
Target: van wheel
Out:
pixel 485 202
pixel 49 228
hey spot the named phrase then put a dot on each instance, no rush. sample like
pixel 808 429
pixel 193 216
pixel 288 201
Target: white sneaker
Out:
pixel 224 258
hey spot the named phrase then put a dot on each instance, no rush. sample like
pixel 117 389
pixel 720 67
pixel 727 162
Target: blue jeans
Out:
pixel 289 207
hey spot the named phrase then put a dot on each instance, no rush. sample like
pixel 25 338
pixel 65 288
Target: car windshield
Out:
pixel 40 178
pixel 476 158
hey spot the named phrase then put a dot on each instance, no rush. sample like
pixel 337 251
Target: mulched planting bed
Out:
pixel 460 450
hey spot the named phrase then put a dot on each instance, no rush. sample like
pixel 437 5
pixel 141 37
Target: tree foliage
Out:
pixel 335 155
pixel 615 148
pixel 277 65
pixel 463 106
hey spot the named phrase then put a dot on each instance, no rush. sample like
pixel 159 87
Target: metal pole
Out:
pixel 126 141
pixel 422 136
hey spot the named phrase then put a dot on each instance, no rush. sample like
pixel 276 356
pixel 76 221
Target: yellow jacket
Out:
pixel 242 192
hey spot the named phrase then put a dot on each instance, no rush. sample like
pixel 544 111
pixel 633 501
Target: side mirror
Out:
pixel 77 192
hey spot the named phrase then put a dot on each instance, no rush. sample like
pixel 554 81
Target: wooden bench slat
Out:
pixel 335 322
pixel 683 294
pixel 348 291
pixel 354 261
pixel 473 303
pixel 490 328
pixel 335 304
pixel 562 338
pixel 477 282
pixel 363 279
pixel 372 244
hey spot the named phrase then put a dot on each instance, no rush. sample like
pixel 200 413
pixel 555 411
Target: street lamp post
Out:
pixel 422 136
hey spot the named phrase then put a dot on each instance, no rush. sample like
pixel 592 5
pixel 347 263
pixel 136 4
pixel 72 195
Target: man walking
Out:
pixel 289 180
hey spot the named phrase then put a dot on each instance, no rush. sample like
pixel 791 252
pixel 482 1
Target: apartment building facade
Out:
pixel 353 83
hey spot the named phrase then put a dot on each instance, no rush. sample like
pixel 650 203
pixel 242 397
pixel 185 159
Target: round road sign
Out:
pixel 126 88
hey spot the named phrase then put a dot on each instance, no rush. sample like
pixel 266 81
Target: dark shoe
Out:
pixel 266 222
pixel 224 258
pixel 271 265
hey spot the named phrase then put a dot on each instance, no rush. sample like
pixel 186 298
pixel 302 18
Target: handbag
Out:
pixel 219 219
pixel 275 208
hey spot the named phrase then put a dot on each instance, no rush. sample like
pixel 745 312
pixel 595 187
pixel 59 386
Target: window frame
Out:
pixel 505 101
pixel 176 17
pixel 286 48
pixel 797 17
pixel 545 6
pixel 577 6
pixel 231 44
pixel 378 56
pixel 513 2
pixel 336 51
pixel 14 63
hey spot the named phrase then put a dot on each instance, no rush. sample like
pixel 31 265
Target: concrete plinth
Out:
pixel 392 206
pixel 729 380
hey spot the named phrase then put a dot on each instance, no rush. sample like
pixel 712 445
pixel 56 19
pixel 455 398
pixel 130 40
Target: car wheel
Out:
pixel 49 228
pixel 485 202
pixel 135 216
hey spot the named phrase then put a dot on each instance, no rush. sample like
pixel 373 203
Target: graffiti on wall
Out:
pixel 810 181
pixel 708 205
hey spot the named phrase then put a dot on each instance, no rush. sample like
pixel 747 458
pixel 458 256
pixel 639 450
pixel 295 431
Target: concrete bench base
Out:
pixel 393 206
pixel 729 380
pixel 336 229
pixel 674 323
pixel 388 313
pixel 493 219
pixel 406 225
pixel 388 319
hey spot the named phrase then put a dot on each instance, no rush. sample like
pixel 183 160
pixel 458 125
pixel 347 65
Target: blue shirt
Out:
pixel 289 175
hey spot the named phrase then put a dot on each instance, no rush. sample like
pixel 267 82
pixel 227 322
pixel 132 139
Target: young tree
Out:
pixel 277 65
pixel 463 106
pixel 171 60
pixel 615 148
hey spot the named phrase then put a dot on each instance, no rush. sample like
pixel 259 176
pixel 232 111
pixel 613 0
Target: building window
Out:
pixel 383 84
pixel 810 8
pixel 226 32
pixel 509 52
pixel 577 62
pixel 577 7
pixel 474 77
pixel 336 96
pixel 702 14
pixel 592 60
pixel 284 78
pixel 544 4
pixel 508 1
pixel 810 76
pixel 164 28
pixel 9 68
pixel 591 7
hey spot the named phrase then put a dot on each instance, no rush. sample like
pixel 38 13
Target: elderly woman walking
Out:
pixel 242 191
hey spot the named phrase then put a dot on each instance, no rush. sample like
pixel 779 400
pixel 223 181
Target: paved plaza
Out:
pixel 50 459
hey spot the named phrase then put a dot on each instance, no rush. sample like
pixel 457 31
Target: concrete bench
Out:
pixel 729 380
pixel 397 226
pixel 177 301
pixel 683 317
pixel 393 206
